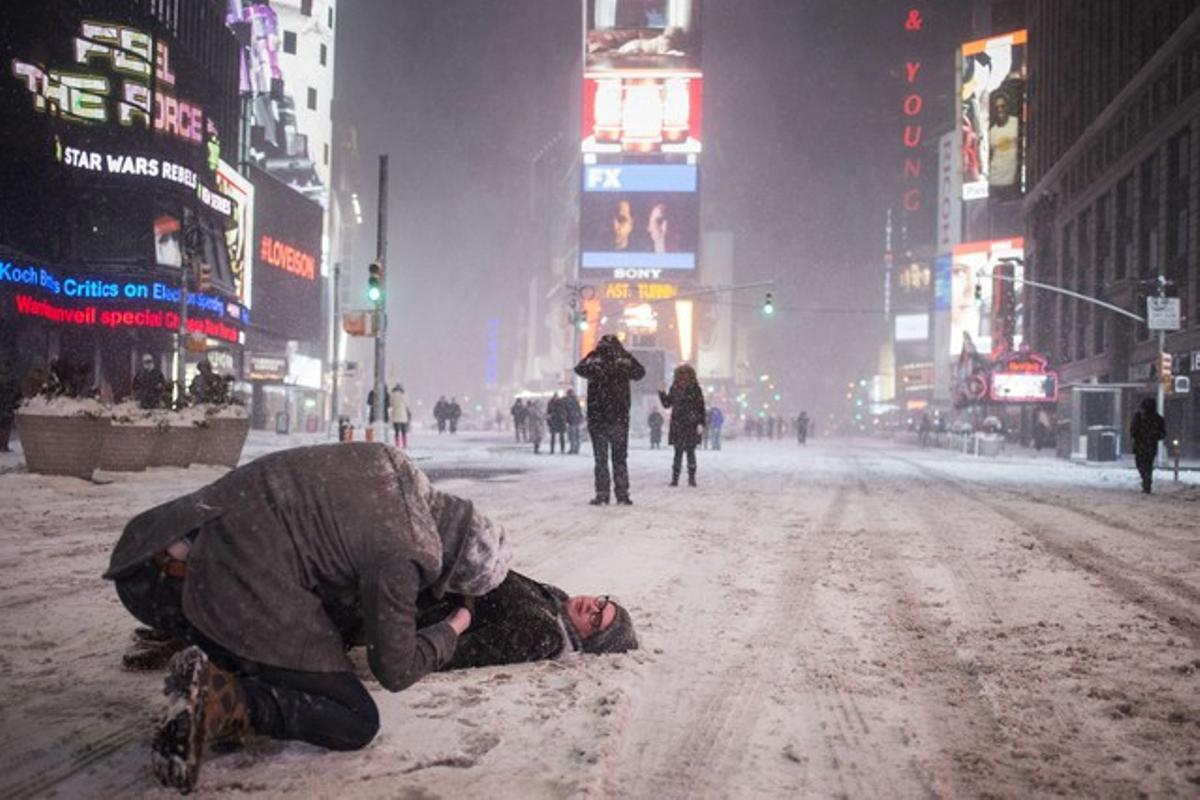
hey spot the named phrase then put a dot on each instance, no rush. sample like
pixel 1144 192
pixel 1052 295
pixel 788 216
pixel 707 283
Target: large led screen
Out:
pixel 623 114
pixel 278 96
pixel 992 80
pixel 640 216
pixel 286 287
pixel 989 324
pixel 643 35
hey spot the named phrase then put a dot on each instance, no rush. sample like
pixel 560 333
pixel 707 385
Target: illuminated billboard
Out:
pixel 239 236
pixel 987 299
pixel 1024 378
pixel 912 327
pixel 640 217
pixel 992 81
pixel 287 78
pixel 643 35
pixel 642 114
pixel 286 287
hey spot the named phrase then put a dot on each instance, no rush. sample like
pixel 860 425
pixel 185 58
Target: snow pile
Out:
pixel 43 406
pixel 132 414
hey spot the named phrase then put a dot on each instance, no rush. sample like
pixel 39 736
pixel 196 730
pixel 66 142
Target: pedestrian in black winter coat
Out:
pixel 688 418
pixel 518 415
pixel 655 422
pixel 1146 429
pixel 556 422
pixel 574 418
pixel 608 370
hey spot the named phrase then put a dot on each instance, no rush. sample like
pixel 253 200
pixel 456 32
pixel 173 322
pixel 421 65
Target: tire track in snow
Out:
pixel 1167 597
pixel 699 748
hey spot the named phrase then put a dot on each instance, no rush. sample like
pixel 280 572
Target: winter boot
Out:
pixel 151 650
pixel 674 477
pixel 598 500
pixel 207 706
pixel 624 501
pixel 692 477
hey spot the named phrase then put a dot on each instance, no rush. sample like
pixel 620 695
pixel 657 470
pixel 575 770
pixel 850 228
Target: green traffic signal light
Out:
pixel 375 283
pixel 768 305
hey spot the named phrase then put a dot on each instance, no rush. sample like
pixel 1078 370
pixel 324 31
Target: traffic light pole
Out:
pixel 379 425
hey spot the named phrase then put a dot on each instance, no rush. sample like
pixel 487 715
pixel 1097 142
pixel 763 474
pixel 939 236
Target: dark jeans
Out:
pixel 611 439
pixel 573 436
pixel 328 709
pixel 1145 466
pixel 561 436
pixel 678 462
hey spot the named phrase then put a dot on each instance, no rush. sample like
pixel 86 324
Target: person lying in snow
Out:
pixel 248 568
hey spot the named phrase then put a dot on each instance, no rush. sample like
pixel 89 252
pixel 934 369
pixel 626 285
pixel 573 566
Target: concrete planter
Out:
pixel 128 448
pixel 221 440
pixel 56 445
pixel 174 445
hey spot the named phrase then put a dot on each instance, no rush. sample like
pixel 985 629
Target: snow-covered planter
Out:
pixel 62 435
pixel 223 432
pixel 130 440
pixel 176 439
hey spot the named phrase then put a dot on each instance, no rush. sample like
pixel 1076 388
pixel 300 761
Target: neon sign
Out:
pixel 287 258
pixel 92 315
pixel 912 105
pixel 145 167
pixel 143 94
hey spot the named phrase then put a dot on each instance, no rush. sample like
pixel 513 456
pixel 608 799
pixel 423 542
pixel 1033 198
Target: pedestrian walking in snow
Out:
pixel 556 422
pixel 688 418
pixel 802 424
pixel 716 421
pixel 655 423
pixel 608 370
pixel 518 417
pixel 453 414
pixel 246 569
pixel 535 424
pixel 401 415
pixel 574 419
pixel 441 413
pixel 1146 429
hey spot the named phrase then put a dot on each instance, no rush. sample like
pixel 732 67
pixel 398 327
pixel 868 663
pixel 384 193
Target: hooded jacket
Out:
pixel 279 540
pixel 687 415
pixel 608 370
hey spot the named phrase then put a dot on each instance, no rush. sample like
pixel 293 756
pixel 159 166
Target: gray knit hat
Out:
pixel 616 638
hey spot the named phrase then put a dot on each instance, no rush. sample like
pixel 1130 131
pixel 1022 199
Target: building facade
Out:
pixel 1114 187
pixel 124 115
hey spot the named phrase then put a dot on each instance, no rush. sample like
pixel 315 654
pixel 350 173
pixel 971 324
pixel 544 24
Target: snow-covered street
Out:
pixel 850 619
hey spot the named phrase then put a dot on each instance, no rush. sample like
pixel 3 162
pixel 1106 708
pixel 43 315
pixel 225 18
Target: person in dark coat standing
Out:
pixel 453 414
pixel 574 419
pixel 248 568
pixel 655 422
pixel 535 422
pixel 372 411
pixel 688 418
pixel 440 410
pixel 556 422
pixel 1146 429
pixel 518 415
pixel 802 428
pixel 608 370
pixel 149 383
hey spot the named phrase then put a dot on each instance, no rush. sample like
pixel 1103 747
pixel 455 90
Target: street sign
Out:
pixel 1162 313
pixel 361 323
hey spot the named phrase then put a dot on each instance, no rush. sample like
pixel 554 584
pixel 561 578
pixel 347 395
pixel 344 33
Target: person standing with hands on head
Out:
pixel 688 417
pixel 1146 429
pixel 608 369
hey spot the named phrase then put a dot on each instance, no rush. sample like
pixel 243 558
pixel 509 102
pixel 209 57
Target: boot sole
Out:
pixel 179 739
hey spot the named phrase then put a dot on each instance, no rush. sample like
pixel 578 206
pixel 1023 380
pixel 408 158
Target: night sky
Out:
pixel 801 135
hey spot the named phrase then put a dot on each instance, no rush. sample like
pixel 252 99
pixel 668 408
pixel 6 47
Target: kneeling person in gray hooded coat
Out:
pixel 245 568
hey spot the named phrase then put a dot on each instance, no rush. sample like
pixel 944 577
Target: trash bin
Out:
pixel 1101 443
pixel 282 423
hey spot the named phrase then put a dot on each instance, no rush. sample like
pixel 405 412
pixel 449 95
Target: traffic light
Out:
pixel 978 291
pixel 375 283
pixel 769 304
pixel 581 321
pixel 1165 365
pixel 204 277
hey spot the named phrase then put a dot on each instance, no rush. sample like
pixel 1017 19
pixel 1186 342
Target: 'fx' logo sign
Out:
pixel 604 178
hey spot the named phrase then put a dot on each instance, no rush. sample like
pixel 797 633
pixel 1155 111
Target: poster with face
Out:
pixel 992 80
pixel 989 324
